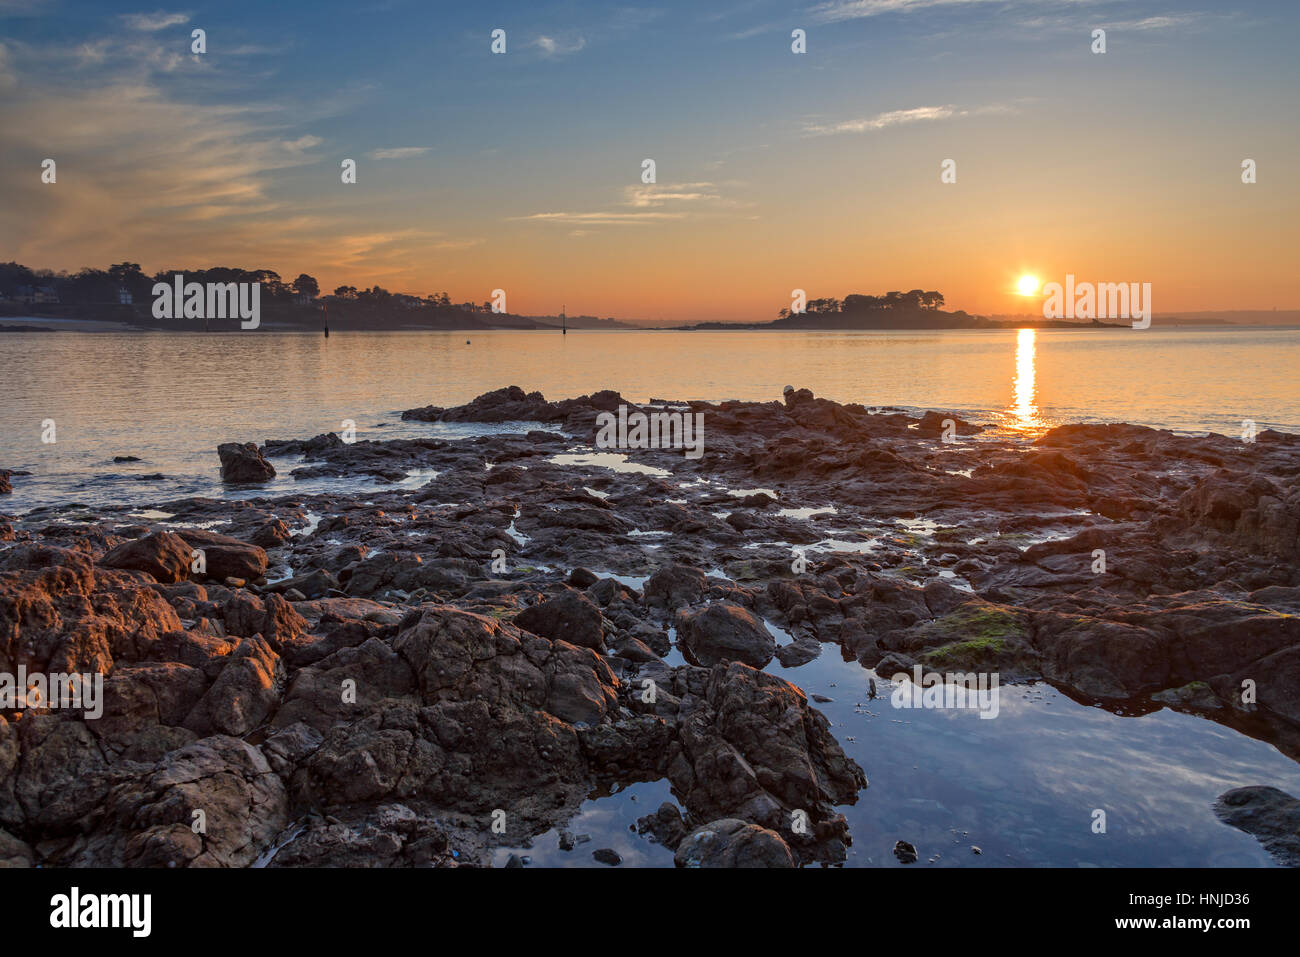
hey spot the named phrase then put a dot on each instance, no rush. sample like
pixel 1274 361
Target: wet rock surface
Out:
pixel 243 462
pixel 1270 815
pixel 365 678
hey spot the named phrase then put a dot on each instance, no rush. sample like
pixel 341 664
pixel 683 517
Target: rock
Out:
pixel 905 852
pixel 752 748
pixel 164 555
pixel 5 487
pixel 665 826
pixel 607 855
pixel 583 578
pixel 274 533
pixel 571 617
pixel 569 840
pixel 317 583
pixel 1247 510
pixel 387 835
pixel 325 442
pixel 243 463
pixel 723 631
pixel 272 617
pixel 799 652
pixel 931 425
pixel 1195 696
pixel 1270 815
pixel 674 586
pixel 13 852
pixel 733 843
pixel 224 556
pixel 243 694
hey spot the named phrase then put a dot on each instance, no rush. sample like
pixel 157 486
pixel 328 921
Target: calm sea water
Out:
pixel 170 399
pixel 1023 787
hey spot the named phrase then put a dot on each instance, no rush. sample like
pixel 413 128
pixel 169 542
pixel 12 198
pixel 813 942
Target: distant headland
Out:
pixel 915 309
pixel 122 295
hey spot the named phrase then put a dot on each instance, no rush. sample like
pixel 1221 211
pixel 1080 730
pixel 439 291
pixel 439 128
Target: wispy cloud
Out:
pixel 919 114
pixel 653 194
pixel 553 47
pixel 1040 11
pixel 398 152
pixel 1156 23
pixel 601 219
pixel 640 206
pixel 839 10
pixel 153 22
pixel 302 143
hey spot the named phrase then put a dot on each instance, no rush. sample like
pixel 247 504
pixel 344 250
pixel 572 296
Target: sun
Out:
pixel 1027 285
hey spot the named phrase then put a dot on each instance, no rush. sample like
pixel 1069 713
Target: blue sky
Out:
pixel 774 170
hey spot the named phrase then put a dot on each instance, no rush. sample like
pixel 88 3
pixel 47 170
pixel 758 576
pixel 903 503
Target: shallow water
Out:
pixel 1022 786
pixel 170 399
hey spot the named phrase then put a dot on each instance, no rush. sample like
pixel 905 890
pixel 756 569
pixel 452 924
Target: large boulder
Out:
pixel 724 631
pixel 164 555
pixel 501 405
pixel 243 463
pixel 226 557
pixel 673 586
pixel 571 617
pixel 732 842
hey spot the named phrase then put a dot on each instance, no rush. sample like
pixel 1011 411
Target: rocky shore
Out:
pixel 414 676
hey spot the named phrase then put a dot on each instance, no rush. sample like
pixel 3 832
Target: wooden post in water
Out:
pixel 564 323
pixel 326 313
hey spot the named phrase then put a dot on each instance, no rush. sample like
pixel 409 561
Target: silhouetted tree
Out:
pixel 305 285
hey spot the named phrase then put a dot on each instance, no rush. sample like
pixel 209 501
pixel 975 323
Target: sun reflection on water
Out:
pixel 1023 410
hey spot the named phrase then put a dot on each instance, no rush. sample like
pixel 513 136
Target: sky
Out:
pixel 774 170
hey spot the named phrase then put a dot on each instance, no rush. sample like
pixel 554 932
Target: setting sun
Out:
pixel 1027 285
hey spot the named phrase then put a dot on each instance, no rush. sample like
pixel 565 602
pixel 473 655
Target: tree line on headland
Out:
pixel 124 293
pixel 915 309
